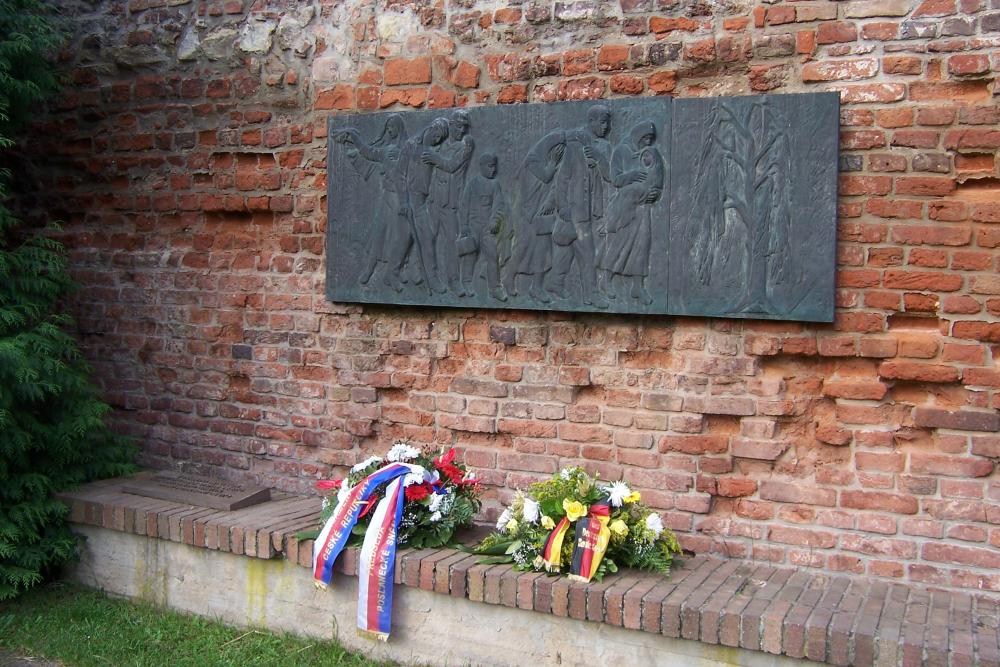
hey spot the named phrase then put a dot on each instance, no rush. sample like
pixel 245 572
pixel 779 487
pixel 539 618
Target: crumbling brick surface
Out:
pixel 188 159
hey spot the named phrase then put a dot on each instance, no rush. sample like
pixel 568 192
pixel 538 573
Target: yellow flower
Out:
pixel 619 528
pixel 511 526
pixel 547 522
pixel 574 509
pixel 633 497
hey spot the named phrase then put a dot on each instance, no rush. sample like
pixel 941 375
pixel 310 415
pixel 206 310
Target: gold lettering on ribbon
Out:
pixel 345 523
pixel 383 569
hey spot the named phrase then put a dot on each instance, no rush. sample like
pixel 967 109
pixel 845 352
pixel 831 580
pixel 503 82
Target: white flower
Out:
pixel 565 473
pixel 437 500
pixel 402 452
pixel 436 517
pixel 367 462
pixel 617 492
pixel 530 512
pixel 654 524
pixel 504 518
pixel 342 493
pixel 470 476
pixel 326 503
pixel 415 478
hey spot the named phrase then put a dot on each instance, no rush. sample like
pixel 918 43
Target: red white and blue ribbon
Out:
pixel 376 565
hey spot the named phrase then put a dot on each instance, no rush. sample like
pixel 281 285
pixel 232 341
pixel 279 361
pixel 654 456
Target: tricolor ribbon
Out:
pixel 592 536
pixel 376 564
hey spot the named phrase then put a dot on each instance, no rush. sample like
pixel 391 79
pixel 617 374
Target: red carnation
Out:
pixel 417 492
pixel 328 484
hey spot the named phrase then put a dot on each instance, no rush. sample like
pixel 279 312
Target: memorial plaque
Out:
pixel 720 207
pixel 198 490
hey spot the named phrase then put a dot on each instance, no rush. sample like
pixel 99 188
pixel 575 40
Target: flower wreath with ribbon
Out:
pixel 573 525
pixel 408 498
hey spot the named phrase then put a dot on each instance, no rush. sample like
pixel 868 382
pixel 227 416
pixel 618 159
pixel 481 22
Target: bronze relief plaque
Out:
pixel 717 206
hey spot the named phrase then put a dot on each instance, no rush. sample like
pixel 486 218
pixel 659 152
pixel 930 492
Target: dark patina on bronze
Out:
pixel 714 206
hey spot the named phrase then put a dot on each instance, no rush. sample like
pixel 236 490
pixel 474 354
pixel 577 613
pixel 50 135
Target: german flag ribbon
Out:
pixel 376 566
pixel 591 535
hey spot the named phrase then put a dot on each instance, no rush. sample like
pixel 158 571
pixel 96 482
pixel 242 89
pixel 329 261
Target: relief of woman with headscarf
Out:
pixel 638 174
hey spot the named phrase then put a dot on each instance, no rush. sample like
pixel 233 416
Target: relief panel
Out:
pixel 629 206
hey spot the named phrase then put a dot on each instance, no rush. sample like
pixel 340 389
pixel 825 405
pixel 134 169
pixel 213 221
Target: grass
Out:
pixel 80 627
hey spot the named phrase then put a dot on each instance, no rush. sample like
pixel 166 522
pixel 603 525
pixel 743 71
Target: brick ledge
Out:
pixel 754 606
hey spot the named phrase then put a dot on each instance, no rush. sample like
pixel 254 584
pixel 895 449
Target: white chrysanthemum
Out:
pixel 654 524
pixel 437 500
pixel 415 478
pixel 402 452
pixel 530 513
pixel 504 518
pixel 367 462
pixel 617 491
pixel 565 473
pixel 435 517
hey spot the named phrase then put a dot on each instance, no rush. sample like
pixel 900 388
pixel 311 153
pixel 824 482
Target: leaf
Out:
pixel 301 536
pixel 514 546
pixel 552 507
pixel 495 560
pixel 495 550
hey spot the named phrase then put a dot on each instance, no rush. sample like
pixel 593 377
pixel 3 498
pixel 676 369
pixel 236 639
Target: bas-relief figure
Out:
pixel 607 207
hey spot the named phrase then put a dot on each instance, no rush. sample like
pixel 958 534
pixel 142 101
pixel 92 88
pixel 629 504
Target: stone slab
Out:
pixel 719 206
pixel 197 490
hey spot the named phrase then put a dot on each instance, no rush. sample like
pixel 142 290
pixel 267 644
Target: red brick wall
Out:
pixel 190 153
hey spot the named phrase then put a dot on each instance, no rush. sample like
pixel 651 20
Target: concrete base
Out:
pixel 428 628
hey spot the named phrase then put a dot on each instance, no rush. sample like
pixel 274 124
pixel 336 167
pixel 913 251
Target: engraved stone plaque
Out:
pixel 197 490
pixel 715 206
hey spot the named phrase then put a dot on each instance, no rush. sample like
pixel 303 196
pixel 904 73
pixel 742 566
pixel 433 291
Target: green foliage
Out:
pixel 52 430
pixel 28 34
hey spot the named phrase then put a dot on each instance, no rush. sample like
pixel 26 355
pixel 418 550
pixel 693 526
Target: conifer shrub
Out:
pixel 53 433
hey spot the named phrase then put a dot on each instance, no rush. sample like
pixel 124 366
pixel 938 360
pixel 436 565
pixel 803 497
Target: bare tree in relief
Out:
pixel 742 199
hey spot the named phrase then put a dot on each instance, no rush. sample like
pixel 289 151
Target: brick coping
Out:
pixel 742 604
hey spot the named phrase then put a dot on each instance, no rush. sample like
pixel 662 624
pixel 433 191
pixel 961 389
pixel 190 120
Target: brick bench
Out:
pixel 756 607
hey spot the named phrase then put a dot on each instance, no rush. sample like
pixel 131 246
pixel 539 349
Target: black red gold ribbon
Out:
pixel 592 536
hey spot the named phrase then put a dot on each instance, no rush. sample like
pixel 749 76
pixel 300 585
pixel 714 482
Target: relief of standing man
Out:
pixel 485 231
pixel 450 161
pixel 580 202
